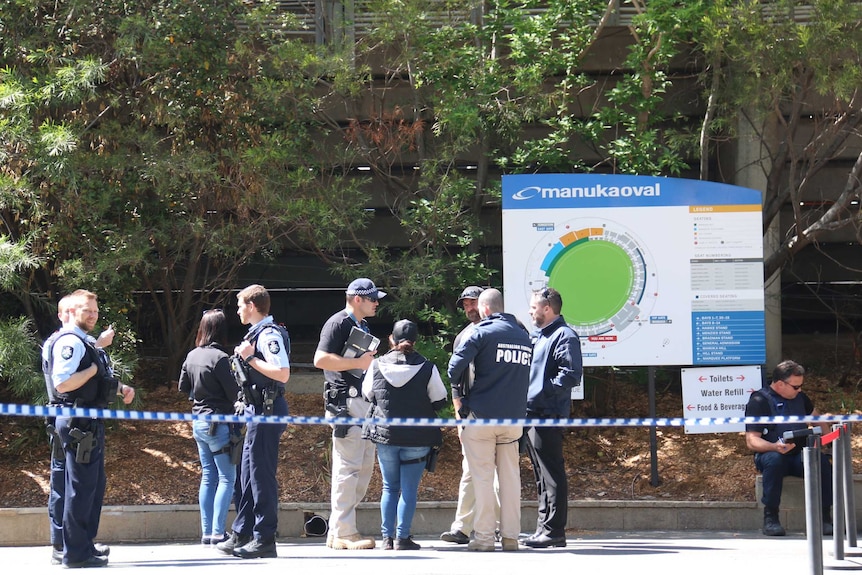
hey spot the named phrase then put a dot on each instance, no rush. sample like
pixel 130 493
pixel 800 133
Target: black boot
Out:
pixel 257 549
pixel 771 524
pixel 233 542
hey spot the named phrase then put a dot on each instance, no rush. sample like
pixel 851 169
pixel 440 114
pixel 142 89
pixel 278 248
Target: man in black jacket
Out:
pixel 557 367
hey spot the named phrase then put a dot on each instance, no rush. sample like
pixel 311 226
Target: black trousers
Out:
pixel 545 448
pixel 84 492
pixel 257 512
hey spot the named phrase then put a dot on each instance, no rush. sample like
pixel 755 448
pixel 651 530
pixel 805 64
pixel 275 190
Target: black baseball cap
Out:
pixel 404 330
pixel 470 292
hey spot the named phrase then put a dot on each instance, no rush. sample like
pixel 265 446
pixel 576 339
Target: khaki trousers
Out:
pixel 467 500
pixel 352 465
pixel 488 449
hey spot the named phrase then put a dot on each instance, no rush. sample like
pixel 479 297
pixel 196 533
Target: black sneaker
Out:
pixel 388 544
pixel 256 549
pixel 454 537
pixel 406 544
pixel 233 542
pixel 90 562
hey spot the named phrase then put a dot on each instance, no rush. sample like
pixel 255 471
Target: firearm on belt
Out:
pixel 85 442
pixel 57 451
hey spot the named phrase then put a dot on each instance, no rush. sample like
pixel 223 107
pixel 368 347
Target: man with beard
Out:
pixel 557 366
pixel 81 378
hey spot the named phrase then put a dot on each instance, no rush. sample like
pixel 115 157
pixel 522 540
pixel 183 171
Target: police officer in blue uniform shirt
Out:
pixel 501 351
pixel 265 350
pixel 557 367
pixel 81 379
pixel 57 490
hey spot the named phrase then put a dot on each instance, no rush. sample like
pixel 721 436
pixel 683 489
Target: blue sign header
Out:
pixel 541 191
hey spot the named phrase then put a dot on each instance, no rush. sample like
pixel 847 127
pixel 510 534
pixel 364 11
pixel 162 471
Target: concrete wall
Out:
pixel 160 523
pixel 792 510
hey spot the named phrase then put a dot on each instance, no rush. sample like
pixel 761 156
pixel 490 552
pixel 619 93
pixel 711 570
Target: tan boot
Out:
pixel 353 542
pixel 510 544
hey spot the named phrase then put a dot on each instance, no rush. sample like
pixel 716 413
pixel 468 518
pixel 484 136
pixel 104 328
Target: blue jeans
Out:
pixel 400 487
pixel 217 476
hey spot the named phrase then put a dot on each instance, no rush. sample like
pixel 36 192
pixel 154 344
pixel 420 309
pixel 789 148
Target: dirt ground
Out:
pixel 157 462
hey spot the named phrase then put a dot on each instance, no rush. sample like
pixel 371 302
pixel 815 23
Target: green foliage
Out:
pixel 15 258
pixel 160 146
pixel 19 360
pixel 790 73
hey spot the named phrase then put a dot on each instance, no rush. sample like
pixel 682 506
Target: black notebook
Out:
pixel 358 343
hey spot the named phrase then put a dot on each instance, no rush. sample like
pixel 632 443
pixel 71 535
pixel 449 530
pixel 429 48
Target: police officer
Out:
pixel 501 352
pixel 265 351
pixel 774 457
pixel 557 367
pixel 352 456
pixel 462 526
pixel 57 487
pixel 80 378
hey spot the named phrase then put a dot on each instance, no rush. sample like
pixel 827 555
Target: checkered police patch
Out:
pixel 273 347
pixel 66 352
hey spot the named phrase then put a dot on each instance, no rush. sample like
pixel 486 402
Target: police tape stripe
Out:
pixel 24 410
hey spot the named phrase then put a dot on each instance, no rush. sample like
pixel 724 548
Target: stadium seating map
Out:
pixel 652 271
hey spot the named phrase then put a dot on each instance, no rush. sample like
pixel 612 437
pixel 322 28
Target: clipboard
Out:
pixel 358 343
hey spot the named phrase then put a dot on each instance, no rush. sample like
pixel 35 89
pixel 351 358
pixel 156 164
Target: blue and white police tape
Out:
pixel 23 410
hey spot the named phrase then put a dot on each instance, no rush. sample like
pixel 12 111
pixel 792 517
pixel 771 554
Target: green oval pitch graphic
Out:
pixel 595 279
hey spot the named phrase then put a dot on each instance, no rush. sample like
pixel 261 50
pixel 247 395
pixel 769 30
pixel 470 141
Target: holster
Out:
pixel 269 394
pixel 335 402
pixel 464 410
pixel 523 443
pixel 251 396
pixel 84 442
pixel 431 461
pixel 237 435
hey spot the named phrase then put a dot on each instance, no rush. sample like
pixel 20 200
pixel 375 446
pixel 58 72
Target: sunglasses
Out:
pixel 216 310
pixel 371 299
pixel 795 387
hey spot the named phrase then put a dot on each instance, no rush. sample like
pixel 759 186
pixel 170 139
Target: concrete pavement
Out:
pixel 656 553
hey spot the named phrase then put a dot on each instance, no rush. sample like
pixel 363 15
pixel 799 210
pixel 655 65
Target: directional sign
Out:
pixel 715 392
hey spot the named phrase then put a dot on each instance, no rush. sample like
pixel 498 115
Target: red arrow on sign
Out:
pixel 689 407
pixel 741 378
pixel 701 378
